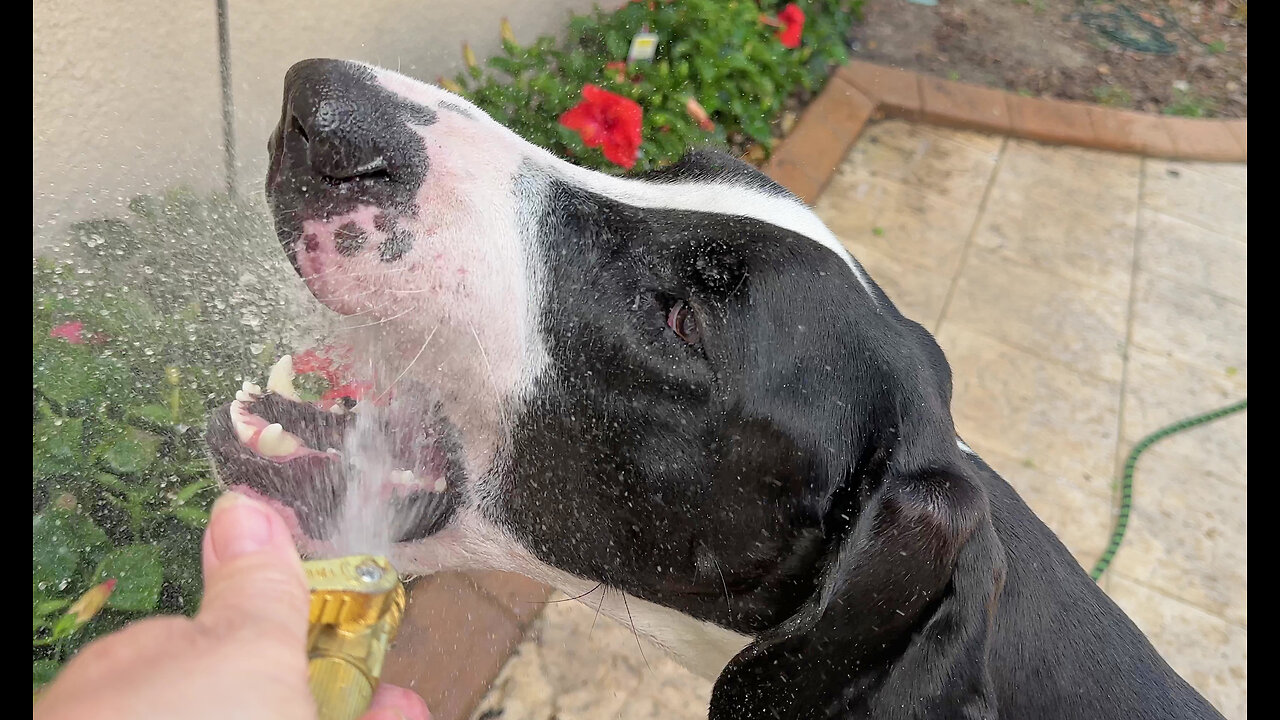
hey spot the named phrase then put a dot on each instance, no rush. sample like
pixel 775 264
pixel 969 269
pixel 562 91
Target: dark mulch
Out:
pixel 1180 57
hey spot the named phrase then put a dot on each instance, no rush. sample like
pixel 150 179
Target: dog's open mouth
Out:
pixel 394 457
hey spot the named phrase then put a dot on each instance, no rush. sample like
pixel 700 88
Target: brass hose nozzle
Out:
pixel 357 603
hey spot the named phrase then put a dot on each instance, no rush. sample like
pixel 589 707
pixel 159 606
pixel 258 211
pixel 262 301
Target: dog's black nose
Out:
pixel 330 115
pixel 341 125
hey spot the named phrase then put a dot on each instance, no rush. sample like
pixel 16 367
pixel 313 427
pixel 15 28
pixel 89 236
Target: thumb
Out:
pixel 253 578
pixel 391 702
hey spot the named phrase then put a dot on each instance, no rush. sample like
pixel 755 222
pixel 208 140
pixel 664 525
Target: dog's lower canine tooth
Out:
pixel 243 396
pixel 280 380
pixel 244 431
pixel 275 442
pixel 440 486
pixel 251 388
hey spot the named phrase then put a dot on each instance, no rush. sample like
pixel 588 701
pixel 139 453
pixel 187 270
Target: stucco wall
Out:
pixel 125 100
pixel 126 93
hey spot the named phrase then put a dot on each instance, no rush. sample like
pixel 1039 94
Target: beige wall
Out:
pixel 126 95
pixel 125 99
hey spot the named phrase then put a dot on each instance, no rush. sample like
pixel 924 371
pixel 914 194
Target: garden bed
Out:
pixel 1178 57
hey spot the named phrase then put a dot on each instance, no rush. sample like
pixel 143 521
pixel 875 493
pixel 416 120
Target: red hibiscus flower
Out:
pixel 311 361
pixel 328 363
pixel 72 332
pixel 609 120
pixel 354 389
pixel 792 18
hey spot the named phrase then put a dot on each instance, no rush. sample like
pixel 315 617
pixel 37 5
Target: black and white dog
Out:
pixel 680 389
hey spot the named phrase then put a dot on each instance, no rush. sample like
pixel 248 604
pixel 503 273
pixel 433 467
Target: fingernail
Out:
pixel 238 526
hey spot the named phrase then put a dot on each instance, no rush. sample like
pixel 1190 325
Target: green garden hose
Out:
pixel 1126 480
pixel 1129 29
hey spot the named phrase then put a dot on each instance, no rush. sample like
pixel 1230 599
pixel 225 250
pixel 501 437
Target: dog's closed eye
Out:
pixel 684 323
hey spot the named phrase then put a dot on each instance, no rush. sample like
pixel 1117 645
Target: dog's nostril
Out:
pixel 376 167
pixel 338 142
pixel 298 128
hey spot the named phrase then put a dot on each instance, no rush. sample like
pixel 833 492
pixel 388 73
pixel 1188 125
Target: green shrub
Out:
pixel 717 52
pixel 139 328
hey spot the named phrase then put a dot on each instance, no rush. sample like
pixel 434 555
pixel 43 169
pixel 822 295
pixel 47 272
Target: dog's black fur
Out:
pixel 795 476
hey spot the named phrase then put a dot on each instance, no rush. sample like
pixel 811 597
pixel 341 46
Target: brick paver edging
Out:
pixel 861 91
pixel 460 629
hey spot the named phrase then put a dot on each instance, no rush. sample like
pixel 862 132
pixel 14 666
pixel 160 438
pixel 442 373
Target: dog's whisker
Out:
pixel 356 274
pixel 567 599
pixel 383 321
pixel 410 365
pixel 604 591
pixel 493 381
pixel 728 605
pixel 633 630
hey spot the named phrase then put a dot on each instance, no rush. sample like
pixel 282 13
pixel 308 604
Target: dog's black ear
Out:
pixel 899 624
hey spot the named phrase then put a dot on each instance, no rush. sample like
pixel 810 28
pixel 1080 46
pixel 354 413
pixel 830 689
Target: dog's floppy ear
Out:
pixel 899 624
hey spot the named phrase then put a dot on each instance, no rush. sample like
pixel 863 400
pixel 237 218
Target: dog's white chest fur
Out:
pixel 701 647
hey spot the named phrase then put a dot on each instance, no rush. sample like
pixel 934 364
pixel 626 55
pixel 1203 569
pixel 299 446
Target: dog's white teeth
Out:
pixel 280 380
pixel 338 409
pixel 243 396
pixel 244 431
pixel 251 388
pixel 440 486
pixel 403 477
pixel 275 442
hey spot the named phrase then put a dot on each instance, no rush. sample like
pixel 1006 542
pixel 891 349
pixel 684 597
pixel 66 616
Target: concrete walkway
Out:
pixel 1084 299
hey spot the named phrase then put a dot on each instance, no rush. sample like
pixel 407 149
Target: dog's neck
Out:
pixel 701 647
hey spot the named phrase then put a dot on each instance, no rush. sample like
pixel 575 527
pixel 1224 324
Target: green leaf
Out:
pixel 43 671
pixel 190 490
pixel 127 449
pixel 70 376
pixel 45 608
pixel 57 444
pixel 138 574
pixel 65 627
pixel 192 516
pixel 158 414
pixel 59 539
pixel 110 481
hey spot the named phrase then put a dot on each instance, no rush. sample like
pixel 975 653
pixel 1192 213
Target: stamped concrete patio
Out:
pixel 1084 299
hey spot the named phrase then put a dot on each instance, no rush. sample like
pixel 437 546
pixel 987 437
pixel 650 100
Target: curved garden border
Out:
pixel 862 91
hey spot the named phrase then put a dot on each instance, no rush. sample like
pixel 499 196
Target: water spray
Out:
pixel 359 480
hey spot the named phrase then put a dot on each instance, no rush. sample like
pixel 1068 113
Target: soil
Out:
pixel 1192 58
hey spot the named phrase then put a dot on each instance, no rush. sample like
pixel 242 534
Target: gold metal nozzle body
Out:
pixel 357 603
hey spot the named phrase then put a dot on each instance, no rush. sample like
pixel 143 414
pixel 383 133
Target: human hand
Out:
pixel 242 656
